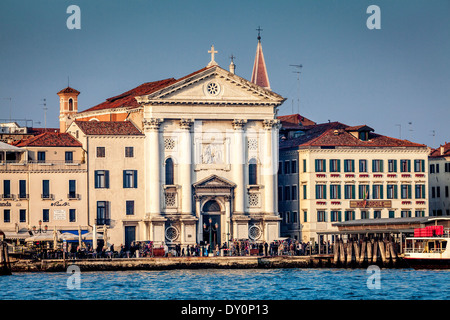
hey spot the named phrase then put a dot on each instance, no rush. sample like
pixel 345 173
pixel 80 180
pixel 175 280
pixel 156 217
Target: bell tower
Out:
pixel 68 107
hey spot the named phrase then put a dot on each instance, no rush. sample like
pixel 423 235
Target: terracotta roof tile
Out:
pixel 127 99
pixel 50 139
pixel 108 127
pixel 69 90
pixel 441 151
pixel 294 121
pixel 336 134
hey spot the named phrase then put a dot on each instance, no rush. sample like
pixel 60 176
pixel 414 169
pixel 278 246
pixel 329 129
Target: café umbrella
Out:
pixel 44 236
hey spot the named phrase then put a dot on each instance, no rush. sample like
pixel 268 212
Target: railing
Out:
pixel 47 196
pixel 23 196
pixel 38 165
pixel 103 221
pixel 8 196
pixel 74 196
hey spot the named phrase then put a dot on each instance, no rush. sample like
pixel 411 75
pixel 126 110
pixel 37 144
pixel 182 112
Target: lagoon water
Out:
pixel 220 284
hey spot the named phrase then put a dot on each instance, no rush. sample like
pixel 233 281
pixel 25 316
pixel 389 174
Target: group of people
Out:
pixel 235 247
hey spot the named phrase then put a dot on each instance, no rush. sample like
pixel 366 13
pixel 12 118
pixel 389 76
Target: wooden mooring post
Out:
pixel 5 267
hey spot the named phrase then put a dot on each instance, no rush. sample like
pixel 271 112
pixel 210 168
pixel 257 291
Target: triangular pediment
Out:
pixel 213 85
pixel 214 181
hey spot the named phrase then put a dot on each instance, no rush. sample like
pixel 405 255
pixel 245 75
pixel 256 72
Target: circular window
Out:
pixel 171 233
pixel 254 232
pixel 213 88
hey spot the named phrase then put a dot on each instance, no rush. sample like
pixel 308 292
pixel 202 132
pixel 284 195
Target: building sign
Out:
pixel 371 204
pixel 59 214
pixel 5 204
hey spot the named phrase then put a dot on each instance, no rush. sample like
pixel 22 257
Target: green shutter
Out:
pixel 409 165
pixel 395 165
pixel 381 192
pixel 409 191
pixel 395 191
pixel 339 191
pixel 338 165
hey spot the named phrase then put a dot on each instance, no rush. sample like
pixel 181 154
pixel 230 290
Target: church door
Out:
pixel 211 224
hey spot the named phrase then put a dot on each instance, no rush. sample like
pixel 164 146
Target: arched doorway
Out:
pixel 211 223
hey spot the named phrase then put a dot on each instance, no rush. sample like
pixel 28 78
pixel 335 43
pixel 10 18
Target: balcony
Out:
pixel 74 196
pixel 47 196
pixel 8 196
pixel 23 196
pixel 38 165
pixel 103 221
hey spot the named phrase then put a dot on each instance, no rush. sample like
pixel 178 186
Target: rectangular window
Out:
pixel 287 167
pixel 287 193
pixel 45 215
pixel 377 166
pixel 405 165
pixel 362 165
pixel 321 216
pixel 130 178
pixel 420 213
pixel 294 193
pixel 433 192
pixel 377 192
pixel 349 165
pixel 72 189
pixel 294 166
pixel 391 214
pixel 294 217
pixel 45 189
pixel 437 167
pixel 438 192
pixel 405 191
pixel 305 216
pixel 431 168
pixel 101 179
pixel 377 214
pixel 129 207
pixel 349 215
pixel 22 215
pixel 446 191
pixel 102 213
pixel 305 191
pixel 392 165
pixel 41 156
pixel 335 165
pixel 365 214
pixel 129 152
pixel 321 191
pixel 280 167
pixel 335 216
pixel 335 191
pixel 447 167
pixel 320 165
pixel 23 189
pixel 68 157
pixel 349 190
pixel 280 193
pixel 391 191
pixel 6 215
pixel 419 165
pixel 6 189
pixel 363 191
pixel 101 152
pixel 72 215
pixel 304 165
pixel 420 191
pixel 406 214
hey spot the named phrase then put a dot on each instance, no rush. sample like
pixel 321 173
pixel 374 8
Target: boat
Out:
pixel 428 249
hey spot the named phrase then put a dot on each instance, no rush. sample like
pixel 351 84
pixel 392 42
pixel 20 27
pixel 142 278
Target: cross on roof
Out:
pixel 212 51
pixel 259 32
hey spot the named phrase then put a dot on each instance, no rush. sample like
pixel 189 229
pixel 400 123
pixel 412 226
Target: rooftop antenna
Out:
pixel 10 100
pixel 400 130
pixel 45 113
pixel 434 137
pixel 298 71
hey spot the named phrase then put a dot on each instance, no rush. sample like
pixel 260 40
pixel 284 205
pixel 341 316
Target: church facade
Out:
pixel 208 148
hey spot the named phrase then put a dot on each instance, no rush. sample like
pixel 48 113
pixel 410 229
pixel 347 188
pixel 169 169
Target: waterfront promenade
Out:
pixel 170 263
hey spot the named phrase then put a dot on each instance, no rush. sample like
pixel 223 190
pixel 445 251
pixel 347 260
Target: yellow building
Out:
pixel 43 184
pixel 332 172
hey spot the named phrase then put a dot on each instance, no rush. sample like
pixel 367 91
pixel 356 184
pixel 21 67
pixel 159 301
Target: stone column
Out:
pixel 199 216
pixel 269 165
pixel 238 165
pixel 185 161
pixel 227 225
pixel 152 167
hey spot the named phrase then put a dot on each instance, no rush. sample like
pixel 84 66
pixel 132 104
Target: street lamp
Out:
pixel 40 228
pixel 210 228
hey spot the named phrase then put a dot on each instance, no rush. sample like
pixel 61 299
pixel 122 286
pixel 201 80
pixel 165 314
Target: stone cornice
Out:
pixel 152 123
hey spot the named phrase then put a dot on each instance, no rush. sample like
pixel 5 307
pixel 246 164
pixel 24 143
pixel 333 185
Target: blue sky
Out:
pixel 397 75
